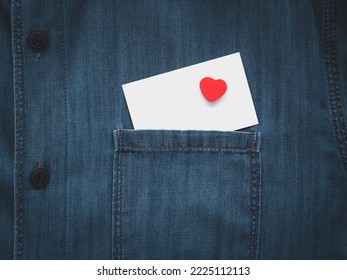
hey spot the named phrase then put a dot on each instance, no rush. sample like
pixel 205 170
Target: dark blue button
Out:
pixel 37 40
pixel 39 177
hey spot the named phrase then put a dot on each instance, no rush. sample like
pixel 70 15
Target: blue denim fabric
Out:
pixel 115 192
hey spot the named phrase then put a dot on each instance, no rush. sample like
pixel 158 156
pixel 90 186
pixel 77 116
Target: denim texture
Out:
pixel 277 190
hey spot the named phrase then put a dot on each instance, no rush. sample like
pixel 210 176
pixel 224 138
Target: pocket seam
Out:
pixel 117 205
pixel 251 147
pixel 178 148
pixel 254 199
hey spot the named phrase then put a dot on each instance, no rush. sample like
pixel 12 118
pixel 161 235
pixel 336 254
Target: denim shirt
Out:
pixel 78 182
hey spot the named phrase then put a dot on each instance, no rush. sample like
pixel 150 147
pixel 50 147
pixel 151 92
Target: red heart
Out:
pixel 212 89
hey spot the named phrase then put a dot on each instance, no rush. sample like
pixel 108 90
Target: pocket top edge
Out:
pixel 184 140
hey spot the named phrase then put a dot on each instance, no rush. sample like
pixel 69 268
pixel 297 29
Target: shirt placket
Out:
pixel 40 173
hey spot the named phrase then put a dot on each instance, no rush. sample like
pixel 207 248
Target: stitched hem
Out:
pixel 117 204
pixel 332 9
pixel 166 140
pixel 177 148
pixel 62 31
pixel 254 200
pixel 20 130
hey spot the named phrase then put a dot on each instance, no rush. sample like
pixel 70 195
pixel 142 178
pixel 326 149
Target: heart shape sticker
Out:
pixel 212 89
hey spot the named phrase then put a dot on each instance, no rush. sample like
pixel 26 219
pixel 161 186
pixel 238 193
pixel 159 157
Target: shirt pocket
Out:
pixel 186 194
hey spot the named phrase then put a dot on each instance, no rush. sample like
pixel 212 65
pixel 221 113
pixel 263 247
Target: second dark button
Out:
pixel 39 177
pixel 37 39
